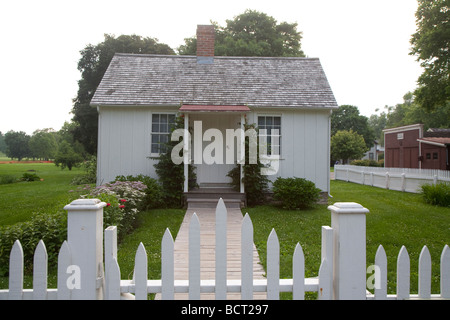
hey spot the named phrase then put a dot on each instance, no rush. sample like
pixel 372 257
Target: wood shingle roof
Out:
pixel 166 80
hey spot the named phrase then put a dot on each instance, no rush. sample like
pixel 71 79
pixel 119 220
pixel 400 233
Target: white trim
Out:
pixel 432 143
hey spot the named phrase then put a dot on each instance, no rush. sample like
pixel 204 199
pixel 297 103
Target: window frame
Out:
pixel 280 125
pixel 159 133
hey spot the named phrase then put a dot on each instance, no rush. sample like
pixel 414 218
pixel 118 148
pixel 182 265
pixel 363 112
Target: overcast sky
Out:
pixel 363 46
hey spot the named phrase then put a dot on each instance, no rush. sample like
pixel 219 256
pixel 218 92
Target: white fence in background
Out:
pixel 399 179
pixel 82 274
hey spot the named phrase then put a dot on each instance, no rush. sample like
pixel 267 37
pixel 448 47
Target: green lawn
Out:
pixel 395 219
pixel 19 200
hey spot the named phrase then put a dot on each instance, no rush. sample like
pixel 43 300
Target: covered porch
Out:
pixel 213 139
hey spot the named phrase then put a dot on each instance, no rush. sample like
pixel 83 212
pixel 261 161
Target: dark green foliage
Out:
pixel 67 157
pixel 253 33
pixel 365 163
pixel 29 177
pixel 171 175
pixel 437 194
pixel 7 179
pixel 51 228
pixel 295 193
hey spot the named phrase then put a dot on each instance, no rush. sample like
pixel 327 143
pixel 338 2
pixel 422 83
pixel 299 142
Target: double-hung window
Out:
pixel 162 125
pixel 270 133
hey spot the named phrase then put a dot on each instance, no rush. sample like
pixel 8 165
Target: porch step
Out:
pixel 207 197
pixel 193 203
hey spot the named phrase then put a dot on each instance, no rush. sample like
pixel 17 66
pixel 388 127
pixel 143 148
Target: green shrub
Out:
pixel 365 163
pixel 295 193
pixel 30 177
pixel 436 194
pixel 51 228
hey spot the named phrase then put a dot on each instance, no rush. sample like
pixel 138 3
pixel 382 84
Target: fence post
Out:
pixel 348 220
pixel 85 238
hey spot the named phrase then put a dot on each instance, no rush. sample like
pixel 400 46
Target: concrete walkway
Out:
pixel 207 251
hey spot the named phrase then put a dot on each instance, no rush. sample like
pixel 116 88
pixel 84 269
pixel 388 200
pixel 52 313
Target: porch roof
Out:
pixel 209 108
pixel 438 141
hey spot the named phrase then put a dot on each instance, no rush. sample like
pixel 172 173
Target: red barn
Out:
pixel 411 147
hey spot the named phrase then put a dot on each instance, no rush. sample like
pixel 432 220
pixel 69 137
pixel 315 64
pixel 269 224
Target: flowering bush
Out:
pixel 123 201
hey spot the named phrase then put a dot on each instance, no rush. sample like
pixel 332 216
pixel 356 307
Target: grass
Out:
pixel 395 219
pixel 19 200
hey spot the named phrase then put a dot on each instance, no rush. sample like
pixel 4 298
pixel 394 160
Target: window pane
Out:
pixel 277 121
pixel 155 148
pixel 163 118
pixel 261 121
pixel 155 138
pixel 155 118
pixel 155 127
pixel 269 121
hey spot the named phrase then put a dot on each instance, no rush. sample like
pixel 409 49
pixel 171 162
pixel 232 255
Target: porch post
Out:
pixel 242 152
pixel 186 152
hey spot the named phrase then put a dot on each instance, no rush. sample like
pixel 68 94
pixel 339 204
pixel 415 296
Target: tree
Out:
pixel 93 63
pixel 17 144
pixel 431 45
pixel 348 118
pixel 43 144
pixel 2 143
pixel 347 145
pixel 67 157
pixel 252 33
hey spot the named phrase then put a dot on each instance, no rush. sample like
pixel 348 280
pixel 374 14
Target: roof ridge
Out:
pixel 215 57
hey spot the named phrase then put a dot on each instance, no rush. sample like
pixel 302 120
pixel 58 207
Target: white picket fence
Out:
pixel 399 179
pixel 82 273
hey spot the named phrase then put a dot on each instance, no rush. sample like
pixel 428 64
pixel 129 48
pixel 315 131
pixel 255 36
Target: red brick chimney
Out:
pixel 205 44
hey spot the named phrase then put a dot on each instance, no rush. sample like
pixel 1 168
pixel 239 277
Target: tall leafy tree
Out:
pixel 431 45
pixel 17 144
pixel 93 63
pixel 253 33
pixel 347 145
pixel 348 118
pixel 43 144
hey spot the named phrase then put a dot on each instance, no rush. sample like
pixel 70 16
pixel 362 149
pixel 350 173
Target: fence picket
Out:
pixel 381 277
pixel 445 273
pixel 325 280
pixel 40 272
pixel 113 280
pixel 273 266
pixel 140 273
pixel 64 261
pixel 167 266
pixel 194 258
pixel 16 272
pixel 424 274
pixel 298 273
pixel 221 251
pixel 403 274
pixel 247 258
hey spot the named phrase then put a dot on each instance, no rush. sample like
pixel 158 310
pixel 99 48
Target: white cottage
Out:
pixel 140 95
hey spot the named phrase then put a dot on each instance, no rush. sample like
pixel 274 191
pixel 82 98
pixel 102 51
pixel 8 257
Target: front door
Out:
pixel 218 170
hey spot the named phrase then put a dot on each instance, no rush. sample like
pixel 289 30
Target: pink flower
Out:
pixel 123 200
pixel 121 206
pixel 108 204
